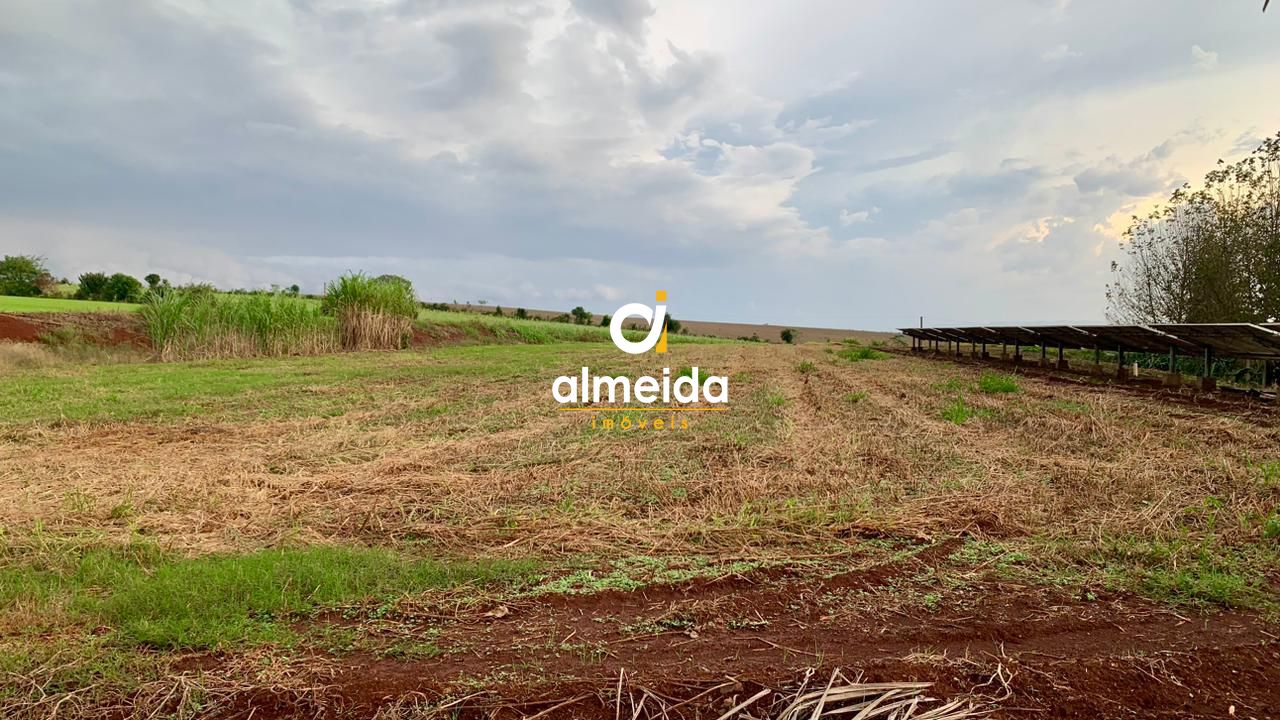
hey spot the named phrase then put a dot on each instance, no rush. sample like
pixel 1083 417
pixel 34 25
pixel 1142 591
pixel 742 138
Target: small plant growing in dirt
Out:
pixel 855 397
pixel 958 412
pixel 858 353
pixel 806 367
pixel 997 383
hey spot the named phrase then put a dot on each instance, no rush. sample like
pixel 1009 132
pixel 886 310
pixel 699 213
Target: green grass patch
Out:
pixel 295 387
pixel 960 412
pixel 860 353
pixel 997 383
pixel 149 598
pixel 806 367
pixel 855 397
pixel 11 304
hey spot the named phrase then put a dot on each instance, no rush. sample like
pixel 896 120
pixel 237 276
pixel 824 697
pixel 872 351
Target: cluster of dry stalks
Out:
pixel 367 330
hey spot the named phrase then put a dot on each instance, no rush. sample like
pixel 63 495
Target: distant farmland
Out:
pixel 732 331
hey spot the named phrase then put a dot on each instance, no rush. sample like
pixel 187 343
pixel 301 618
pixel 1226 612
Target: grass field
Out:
pixel 12 304
pixel 397 532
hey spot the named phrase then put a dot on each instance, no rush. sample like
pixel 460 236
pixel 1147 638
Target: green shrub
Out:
pixel 806 367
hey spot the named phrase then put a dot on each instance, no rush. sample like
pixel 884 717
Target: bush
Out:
pixel 580 316
pixel 122 288
pixel 372 313
pixel 788 336
pixel 21 275
pixel 92 285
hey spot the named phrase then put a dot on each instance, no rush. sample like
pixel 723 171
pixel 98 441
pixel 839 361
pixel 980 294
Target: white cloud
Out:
pixel 537 151
pixel 1203 59
pixel 1059 53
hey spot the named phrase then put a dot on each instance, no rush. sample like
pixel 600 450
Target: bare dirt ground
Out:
pixel 1026 651
pixel 101 328
pixel 1064 550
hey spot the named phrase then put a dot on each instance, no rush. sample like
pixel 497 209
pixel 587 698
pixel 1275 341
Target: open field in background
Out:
pixel 10 304
pixel 422 532
pixel 727 330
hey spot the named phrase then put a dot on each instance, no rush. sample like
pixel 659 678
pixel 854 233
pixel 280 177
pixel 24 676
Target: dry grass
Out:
pixel 23 356
pixel 511 472
pixel 367 330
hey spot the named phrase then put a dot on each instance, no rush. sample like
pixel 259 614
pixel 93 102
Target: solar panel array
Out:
pixel 1238 340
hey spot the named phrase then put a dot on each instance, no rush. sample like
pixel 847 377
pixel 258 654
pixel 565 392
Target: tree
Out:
pixel 605 320
pixel 122 288
pixel 153 281
pixel 47 283
pixel 92 285
pixel 522 314
pixel 497 312
pixel 580 316
pixel 1208 255
pixel 20 275
pixel 673 325
pixel 788 336
pixel 294 290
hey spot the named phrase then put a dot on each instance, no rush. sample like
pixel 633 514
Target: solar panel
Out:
pixel 1136 337
pixel 1240 340
pixel 1065 335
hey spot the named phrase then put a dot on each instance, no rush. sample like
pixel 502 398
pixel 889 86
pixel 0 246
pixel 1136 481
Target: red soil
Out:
pixel 1027 652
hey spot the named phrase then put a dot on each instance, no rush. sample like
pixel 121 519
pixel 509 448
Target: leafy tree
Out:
pixel 605 320
pixel 788 336
pixel 153 281
pixel 498 311
pixel 20 275
pixel 580 316
pixel 92 286
pixel 673 325
pixel 122 288
pixel 1208 255
pixel 522 313
pixel 294 290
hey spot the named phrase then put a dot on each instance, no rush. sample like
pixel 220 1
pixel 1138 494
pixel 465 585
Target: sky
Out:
pixel 809 162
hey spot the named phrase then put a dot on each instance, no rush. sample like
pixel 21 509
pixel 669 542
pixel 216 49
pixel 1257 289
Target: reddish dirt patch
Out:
pixel 1027 652
pixel 98 328
pixel 18 328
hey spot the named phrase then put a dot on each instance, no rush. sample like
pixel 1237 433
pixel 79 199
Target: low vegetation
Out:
pixel 372 313
pixel 194 324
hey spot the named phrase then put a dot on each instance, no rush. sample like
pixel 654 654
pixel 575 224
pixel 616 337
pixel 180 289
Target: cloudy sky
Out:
pixel 809 162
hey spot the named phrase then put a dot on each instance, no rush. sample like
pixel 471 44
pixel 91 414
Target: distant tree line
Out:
pixel 1208 255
